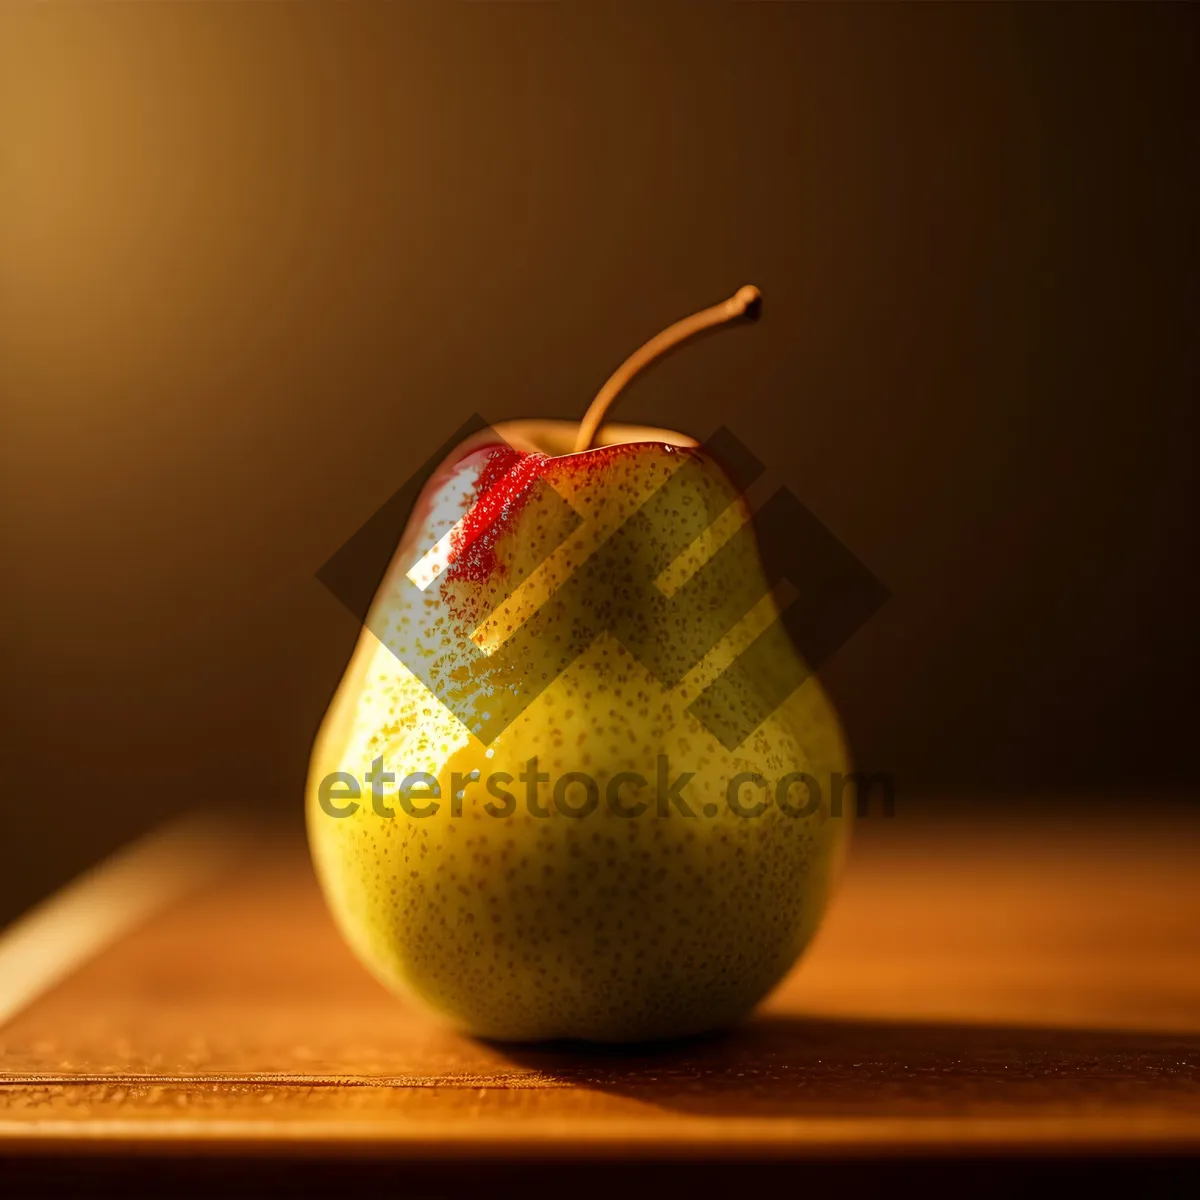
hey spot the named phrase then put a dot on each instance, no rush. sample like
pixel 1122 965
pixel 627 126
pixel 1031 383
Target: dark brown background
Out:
pixel 258 260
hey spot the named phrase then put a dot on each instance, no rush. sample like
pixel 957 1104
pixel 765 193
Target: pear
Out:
pixel 521 811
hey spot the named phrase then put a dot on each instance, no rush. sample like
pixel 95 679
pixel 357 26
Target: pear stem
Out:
pixel 745 302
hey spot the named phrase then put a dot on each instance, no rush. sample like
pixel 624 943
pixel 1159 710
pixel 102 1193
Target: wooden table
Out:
pixel 984 997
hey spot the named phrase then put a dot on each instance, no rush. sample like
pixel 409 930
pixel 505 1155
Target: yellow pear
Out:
pixel 544 801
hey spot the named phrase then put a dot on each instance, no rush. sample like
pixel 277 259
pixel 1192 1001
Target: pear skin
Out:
pixel 503 898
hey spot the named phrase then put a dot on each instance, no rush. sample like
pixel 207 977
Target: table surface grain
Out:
pixel 989 987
